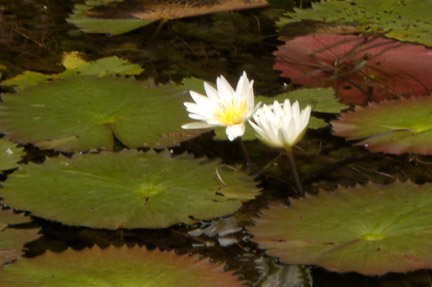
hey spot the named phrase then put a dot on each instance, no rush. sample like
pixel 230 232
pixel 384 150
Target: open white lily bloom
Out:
pixel 222 106
pixel 281 126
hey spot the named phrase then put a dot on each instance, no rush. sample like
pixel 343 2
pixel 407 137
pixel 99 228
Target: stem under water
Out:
pixel 299 188
pixel 245 153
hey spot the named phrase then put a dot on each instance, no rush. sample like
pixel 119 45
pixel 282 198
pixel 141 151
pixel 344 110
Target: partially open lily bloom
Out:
pixel 222 106
pixel 281 126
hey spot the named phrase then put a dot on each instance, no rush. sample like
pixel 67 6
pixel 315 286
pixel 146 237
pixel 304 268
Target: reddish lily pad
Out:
pixel 403 126
pixel 128 189
pixel 358 68
pixel 12 240
pixel 371 229
pixel 115 267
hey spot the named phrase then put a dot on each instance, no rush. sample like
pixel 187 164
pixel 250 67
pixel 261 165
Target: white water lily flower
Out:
pixel 223 106
pixel 281 126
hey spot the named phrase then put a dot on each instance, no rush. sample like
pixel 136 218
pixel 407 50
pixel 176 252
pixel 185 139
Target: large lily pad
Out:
pixel 12 240
pixel 407 20
pixel 76 66
pixel 358 68
pixel 371 229
pixel 10 154
pixel 403 126
pixel 84 113
pixel 115 267
pixel 128 189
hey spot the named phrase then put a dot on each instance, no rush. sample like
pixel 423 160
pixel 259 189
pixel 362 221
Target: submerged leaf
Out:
pixel 115 267
pixel 403 126
pixel 128 189
pixel 83 113
pixel 407 20
pixel 371 229
pixel 358 68
pixel 117 17
pixel 12 240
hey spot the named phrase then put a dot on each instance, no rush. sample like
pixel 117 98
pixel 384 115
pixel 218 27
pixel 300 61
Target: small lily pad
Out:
pixel 12 240
pixel 115 267
pixel 402 126
pixel 127 189
pixel 371 229
pixel 76 66
pixel 10 154
pixel 83 113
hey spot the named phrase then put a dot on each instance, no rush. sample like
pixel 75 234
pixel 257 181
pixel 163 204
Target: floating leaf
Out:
pixel 407 20
pixel 371 229
pixel 117 17
pixel 12 240
pixel 128 189
pixel 84 113
pixel 403 126
pixel 358 68
pixel 115 267
pixel 76 66
pixel 10 154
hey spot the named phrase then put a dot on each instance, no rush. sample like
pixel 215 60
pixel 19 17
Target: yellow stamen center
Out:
pixel 233 114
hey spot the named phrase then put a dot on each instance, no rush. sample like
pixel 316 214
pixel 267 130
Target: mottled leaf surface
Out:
pixel 407 20
pixel 403 126
pixel 128 189
pixel 10 154
pixel 371 229
pixel 115 267
pixel 83 113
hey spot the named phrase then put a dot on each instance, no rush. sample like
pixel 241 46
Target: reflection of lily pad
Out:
pixel 370 229
pixel 85 112
pixel 75 66
pixel 128 189
pixel 11 239
pixel 10 154
pixel 115 267
pixel 98 25
pixel 403 126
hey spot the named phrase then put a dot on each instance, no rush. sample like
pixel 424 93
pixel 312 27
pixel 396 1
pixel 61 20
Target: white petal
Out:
pixel 235 131
pixel 225 91
pixel 211 92
pixel 200 99
pixel 195 125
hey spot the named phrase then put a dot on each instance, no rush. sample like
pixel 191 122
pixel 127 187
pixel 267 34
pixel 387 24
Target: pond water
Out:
pixel 34 37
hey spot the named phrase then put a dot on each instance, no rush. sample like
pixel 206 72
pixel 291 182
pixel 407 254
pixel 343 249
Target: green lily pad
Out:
pixel 402 126
pixel 128 189
pixel 371 229
pixel 84 113
pixel 321 100
pixel 12 240
pixel 10 154
pixel 408 20
pixel 115 267
pixel 76 66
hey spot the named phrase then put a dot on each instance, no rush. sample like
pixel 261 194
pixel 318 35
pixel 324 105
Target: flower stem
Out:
pixel 299 188
pixel 245 153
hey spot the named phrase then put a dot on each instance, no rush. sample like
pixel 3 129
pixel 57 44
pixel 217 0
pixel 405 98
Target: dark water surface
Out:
pixel 34 35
